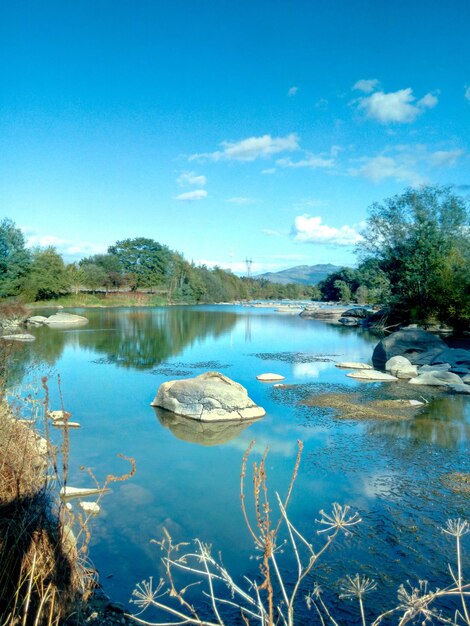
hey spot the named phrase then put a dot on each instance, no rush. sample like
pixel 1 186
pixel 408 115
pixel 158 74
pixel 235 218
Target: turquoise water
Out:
pixel 187 479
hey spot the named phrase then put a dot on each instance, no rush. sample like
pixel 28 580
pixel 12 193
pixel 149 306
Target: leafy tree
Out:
pixel 94 276
pixel 147 259
pixel 15 259
pixel 48 277
pixel 418 238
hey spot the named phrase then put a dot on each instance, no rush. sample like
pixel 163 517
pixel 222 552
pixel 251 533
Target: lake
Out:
pixel 187 477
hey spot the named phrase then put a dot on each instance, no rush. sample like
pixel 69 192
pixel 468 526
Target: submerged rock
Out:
pixel 90 507
pixel 372 376
pixel 351 365
pixel 208 397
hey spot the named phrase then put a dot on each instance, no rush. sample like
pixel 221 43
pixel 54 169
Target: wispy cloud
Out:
pixel 191 196
pixel 241 200
pixel 467 93
pixel 411 164
pixel 310 229
pixel 380 167
pixel 269 170
pixel 366 85
pixel 398 106
pixel 67 247
pixel 292 91
pixel 312 161
pixel 191 178
pixel 251 148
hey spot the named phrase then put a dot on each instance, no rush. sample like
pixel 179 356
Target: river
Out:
pixel 187 478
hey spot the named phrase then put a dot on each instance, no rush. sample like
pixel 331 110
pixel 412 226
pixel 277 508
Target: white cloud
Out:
pixel 398 106
pixel 271 232
pixel 309 229
pixel 467 93
pixel 445 158
pixel 190 178
pixel 292 91
pixel 67 247
pixel 366 85
pixel 410 164
pixel 241 200
pixel 269 170
pixel 190 196
pixel 312 161
pixel 380 167
pixel 251 148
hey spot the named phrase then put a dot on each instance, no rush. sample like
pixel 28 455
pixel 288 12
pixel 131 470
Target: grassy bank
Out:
pixel 82 299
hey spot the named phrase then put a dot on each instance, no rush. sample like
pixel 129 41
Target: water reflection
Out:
pixel 443 422
pixel 140 339
pixel 203 433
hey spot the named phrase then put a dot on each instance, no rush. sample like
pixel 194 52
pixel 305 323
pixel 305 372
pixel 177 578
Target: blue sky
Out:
pixel 227 129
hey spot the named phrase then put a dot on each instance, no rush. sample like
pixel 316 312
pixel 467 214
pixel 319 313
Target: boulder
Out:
pixel 440 379
pixel 65 320
pixel 456 357
pixel 36 320
pixel 207 397
pixel 349 321
pixel 401 367
pixel 372 376
pixel 418 346
pixel 466 379
pixel 359 311
pixel 442 367
pixel 266 378
pixel 19 337
pixel 461 389
pixel 351 365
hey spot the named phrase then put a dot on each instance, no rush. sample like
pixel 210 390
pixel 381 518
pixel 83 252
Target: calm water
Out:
pixel 187 477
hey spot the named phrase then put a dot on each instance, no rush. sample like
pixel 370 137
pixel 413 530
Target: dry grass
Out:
pixel 40 573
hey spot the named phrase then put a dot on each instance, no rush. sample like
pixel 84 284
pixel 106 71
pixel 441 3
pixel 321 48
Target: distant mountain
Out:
pixel 302 274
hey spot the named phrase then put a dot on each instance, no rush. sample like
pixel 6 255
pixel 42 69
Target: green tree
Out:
pixel 94 276
pixel 48 277
pixel 145 258
pixel 15 259
pixel 419 239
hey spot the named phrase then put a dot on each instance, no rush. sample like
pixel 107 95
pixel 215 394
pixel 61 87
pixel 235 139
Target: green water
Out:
pixel 187 477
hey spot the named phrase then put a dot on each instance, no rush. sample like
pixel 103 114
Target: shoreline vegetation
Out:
pixel 413 254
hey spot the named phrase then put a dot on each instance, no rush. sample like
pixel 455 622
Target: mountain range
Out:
pixel 301 274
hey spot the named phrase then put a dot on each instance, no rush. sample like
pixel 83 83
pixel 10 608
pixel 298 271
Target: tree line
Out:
pixel 133 265
pixel 414 257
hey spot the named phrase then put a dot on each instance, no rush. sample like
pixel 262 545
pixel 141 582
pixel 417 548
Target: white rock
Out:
pixel 350 365
pixel 401 367
pixel 436 378
pixel 372 376
pixel 58 415
pixel 208 397
pixel 466 379
pixel 19 337
pixel 79 492
pixel 462 389
pixel 65 423
pixel 270 377
pixel 90 507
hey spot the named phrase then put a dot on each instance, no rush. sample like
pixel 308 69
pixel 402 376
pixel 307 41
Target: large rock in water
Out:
pixel 210 397
pixel 65 320
pixel 418 346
